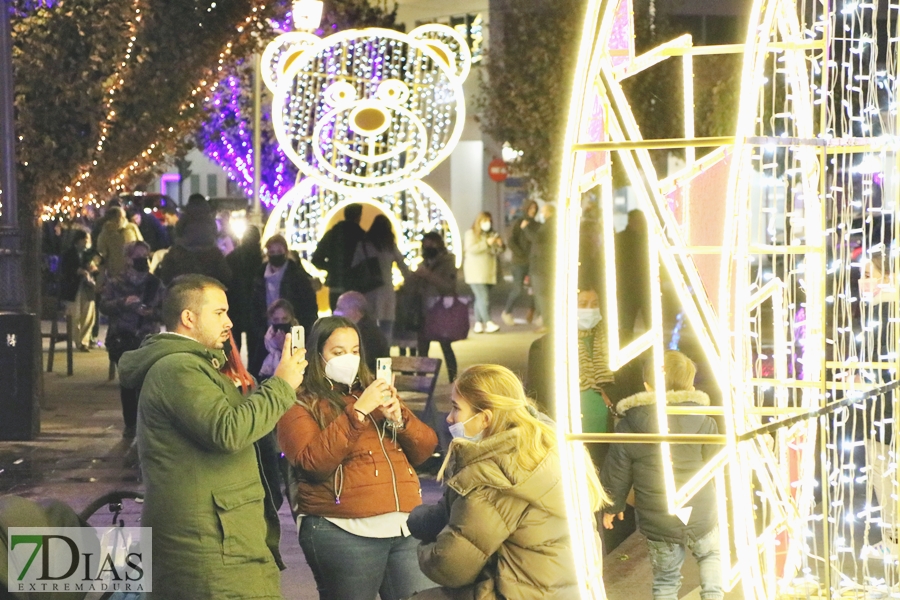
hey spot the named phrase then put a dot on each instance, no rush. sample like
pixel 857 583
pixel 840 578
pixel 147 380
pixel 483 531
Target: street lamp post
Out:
pixel 255 208
pixel 12 296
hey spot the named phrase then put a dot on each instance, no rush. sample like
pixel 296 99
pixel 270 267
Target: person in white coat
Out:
pixel 481 246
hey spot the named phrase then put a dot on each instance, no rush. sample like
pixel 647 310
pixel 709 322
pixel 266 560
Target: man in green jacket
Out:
pixel 213 534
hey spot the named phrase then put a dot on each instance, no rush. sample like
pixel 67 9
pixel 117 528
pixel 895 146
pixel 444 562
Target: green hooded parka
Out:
pixel 214 536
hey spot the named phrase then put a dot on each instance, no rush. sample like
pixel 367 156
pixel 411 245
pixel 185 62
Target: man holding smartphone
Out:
pixel 205 500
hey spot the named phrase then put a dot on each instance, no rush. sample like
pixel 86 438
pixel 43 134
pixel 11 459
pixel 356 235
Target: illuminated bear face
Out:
pixel 369 110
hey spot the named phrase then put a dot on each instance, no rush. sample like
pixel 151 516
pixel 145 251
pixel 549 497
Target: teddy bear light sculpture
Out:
pixel 365 115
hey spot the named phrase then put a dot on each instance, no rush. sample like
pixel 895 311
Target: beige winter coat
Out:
pixel 479 258
pixel 111 245
pixel 507 537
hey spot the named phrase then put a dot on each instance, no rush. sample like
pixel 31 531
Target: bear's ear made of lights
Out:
pixel 281 52
pixel 448 44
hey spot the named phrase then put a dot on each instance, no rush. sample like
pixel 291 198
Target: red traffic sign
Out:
pixel 498 170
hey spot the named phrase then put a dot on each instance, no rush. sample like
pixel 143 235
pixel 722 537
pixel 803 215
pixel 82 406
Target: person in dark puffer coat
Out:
pixel 695 527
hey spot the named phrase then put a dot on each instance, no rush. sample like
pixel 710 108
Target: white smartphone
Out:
pixel 298 339
pixel 383 370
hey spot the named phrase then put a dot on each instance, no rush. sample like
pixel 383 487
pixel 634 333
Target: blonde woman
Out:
pixel 500 530
pixel 481 246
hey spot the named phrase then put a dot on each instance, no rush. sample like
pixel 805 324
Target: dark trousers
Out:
pixel 129 405
pixel 519 272
pixel 449 355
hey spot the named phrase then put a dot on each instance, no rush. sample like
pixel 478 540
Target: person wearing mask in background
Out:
pixel 381 243
pixel 205 497
pixel 521 252
pixel 116 233
pixel 77 287
pixel 334 253
pixel 195 250
pixel 281 319
pixel 500 530
pixel 279 278
pixel 481 246
pixel 353 447
pixel 245 263
pixel 133 303
pixel 353 306
pixel 541 263
pixel 435 277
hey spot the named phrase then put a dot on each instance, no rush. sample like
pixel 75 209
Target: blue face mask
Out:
pixel 458 430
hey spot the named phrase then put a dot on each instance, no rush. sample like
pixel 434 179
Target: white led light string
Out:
pixel 147 159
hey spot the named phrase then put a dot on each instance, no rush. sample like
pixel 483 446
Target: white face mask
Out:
pixel 588 318
pixel 343 368
pixel 458 430
pixel 485 226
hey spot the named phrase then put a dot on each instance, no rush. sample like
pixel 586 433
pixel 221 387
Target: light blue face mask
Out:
pixel 458 430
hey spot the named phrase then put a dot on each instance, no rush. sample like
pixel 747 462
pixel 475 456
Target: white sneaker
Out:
pixel 507 318
pixel 491 327
pixel 479 328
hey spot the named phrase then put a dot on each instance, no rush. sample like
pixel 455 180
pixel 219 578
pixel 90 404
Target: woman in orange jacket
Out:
pixel 353 446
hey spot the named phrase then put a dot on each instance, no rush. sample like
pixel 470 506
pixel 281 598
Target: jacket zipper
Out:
pixel 390 464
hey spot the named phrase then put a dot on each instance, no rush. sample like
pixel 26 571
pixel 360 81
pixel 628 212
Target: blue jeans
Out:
pixel 482 293
pixel 666 560
pixel 350 567
pixel 519 272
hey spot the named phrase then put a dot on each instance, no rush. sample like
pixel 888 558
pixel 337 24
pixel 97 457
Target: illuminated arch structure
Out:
pixel 305 211
pixel 763 238
pixel 365 115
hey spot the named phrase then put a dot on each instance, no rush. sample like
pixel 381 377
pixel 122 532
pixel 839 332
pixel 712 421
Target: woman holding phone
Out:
pixel 355 478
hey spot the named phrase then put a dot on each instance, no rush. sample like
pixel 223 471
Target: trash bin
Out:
pixel 20 417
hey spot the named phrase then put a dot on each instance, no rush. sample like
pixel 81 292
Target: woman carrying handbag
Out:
pixel 435 281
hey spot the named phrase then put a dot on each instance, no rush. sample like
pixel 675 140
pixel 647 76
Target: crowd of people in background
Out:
pixel 345 449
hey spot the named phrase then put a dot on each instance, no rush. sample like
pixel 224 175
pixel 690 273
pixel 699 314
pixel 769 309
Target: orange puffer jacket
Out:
pixel 353 469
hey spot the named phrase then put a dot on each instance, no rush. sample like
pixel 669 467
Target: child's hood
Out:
pixel 645 420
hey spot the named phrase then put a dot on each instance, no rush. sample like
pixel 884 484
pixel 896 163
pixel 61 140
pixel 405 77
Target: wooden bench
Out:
pixel 415 378
pixel 55 311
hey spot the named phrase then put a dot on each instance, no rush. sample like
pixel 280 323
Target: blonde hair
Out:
pixel 679 371
pixel 496 388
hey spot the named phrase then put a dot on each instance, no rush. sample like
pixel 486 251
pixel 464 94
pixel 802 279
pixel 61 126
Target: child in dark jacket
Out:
pixel 694 527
